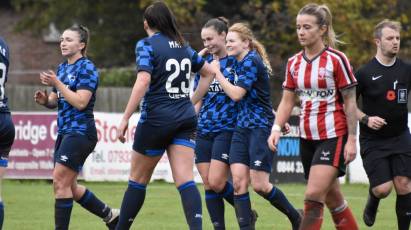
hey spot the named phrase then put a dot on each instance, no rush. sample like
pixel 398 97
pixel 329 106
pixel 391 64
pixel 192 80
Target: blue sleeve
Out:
pixel 197 61
pixel 247 74
pixel 144 56
pixel 54 89
pixel 88 77
pixel 196 80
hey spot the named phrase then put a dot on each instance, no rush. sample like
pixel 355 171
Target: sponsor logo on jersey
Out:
pixel 316 93
pixel 376 77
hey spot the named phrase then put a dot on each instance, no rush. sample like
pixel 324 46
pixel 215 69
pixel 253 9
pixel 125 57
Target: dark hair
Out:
pixel 159 16
pixel 84 36
pixel 220 24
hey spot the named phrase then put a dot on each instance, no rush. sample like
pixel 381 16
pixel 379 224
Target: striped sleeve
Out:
pixel 344 75
pixel 289 81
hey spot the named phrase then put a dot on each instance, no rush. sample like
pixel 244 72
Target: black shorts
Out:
pixel 7 133
pixel 153 140
pixel 72 150
pixel 385 158
pixel 213 146
pixel 323 152
pixel 249 147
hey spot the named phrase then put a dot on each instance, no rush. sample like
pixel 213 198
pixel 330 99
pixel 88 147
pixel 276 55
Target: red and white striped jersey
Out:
pixel 318 83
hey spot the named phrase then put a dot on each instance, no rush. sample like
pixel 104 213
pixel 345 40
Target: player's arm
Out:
pixel 78 99
pixel 284 110
pixel 206 77
pixel 47 100
pixel 139 89
pixel 236 93
pixel 350 109
pixel 197 106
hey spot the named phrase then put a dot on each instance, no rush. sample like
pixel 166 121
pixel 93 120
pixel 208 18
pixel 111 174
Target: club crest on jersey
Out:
pixel 71 77
pixel 321 73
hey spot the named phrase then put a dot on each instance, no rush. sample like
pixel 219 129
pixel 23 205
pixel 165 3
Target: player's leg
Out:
pixel 148 147
pixel 402 183
pixel 141 169
pixel 261 158
pixel 240 172
pixel 327 164
pixel 7 134
pixel 214 201
pixel 63 178
pixel 220 166
pixel 340 212
pixel 181 156
pixel 218 179
pixel 181 161
pixel 67 166
pixel 93 204
pixel 380 178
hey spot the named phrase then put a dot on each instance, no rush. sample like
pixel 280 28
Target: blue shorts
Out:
pixel 72 150
pixel 153 140
pixel 213 146
pixel 249 147
pixel 7 133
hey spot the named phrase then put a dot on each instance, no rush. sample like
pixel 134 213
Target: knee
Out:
pixel 239 184
pixel 382 191
pixel 216 185
pixel 205 181
pixel 260 187
pixel 315 195
pixel 60 186
pixel 402 185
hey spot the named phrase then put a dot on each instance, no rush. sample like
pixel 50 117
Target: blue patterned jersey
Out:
pixel 218 112
pixel 80 75
pixel 170 65
pixel 4 69
pixel 255 108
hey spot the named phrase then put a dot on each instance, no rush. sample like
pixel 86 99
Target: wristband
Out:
pixel 276 128
pixel 364 120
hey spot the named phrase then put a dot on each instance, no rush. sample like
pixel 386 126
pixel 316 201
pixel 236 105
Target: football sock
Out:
pixel 403 210
pixel 242 206
pixel 191 199
pixel 215 207
pixel 62 212
pixel 90 202
pixel 132 202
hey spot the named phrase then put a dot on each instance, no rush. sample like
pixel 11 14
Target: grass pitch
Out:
pixel 30 205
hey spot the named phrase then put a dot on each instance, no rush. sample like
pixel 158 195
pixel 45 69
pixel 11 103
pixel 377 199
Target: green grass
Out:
pixel 29 205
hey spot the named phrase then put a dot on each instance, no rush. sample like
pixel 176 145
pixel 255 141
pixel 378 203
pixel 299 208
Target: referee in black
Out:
pixel 385 140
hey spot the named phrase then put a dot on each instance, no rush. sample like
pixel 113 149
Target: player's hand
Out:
pixel 273 140
pixel 41 97
pixel 203 52
pixel 286 129
pixel 215 66
pixel 121 130
pixel 48 78
pixel 376 122
pixel 350 149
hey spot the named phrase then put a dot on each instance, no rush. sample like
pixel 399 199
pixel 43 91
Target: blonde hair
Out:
pixel 245 33
pixel 386 23
pixel 324 18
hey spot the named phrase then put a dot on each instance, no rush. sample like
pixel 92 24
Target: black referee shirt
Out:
pixel 384 91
